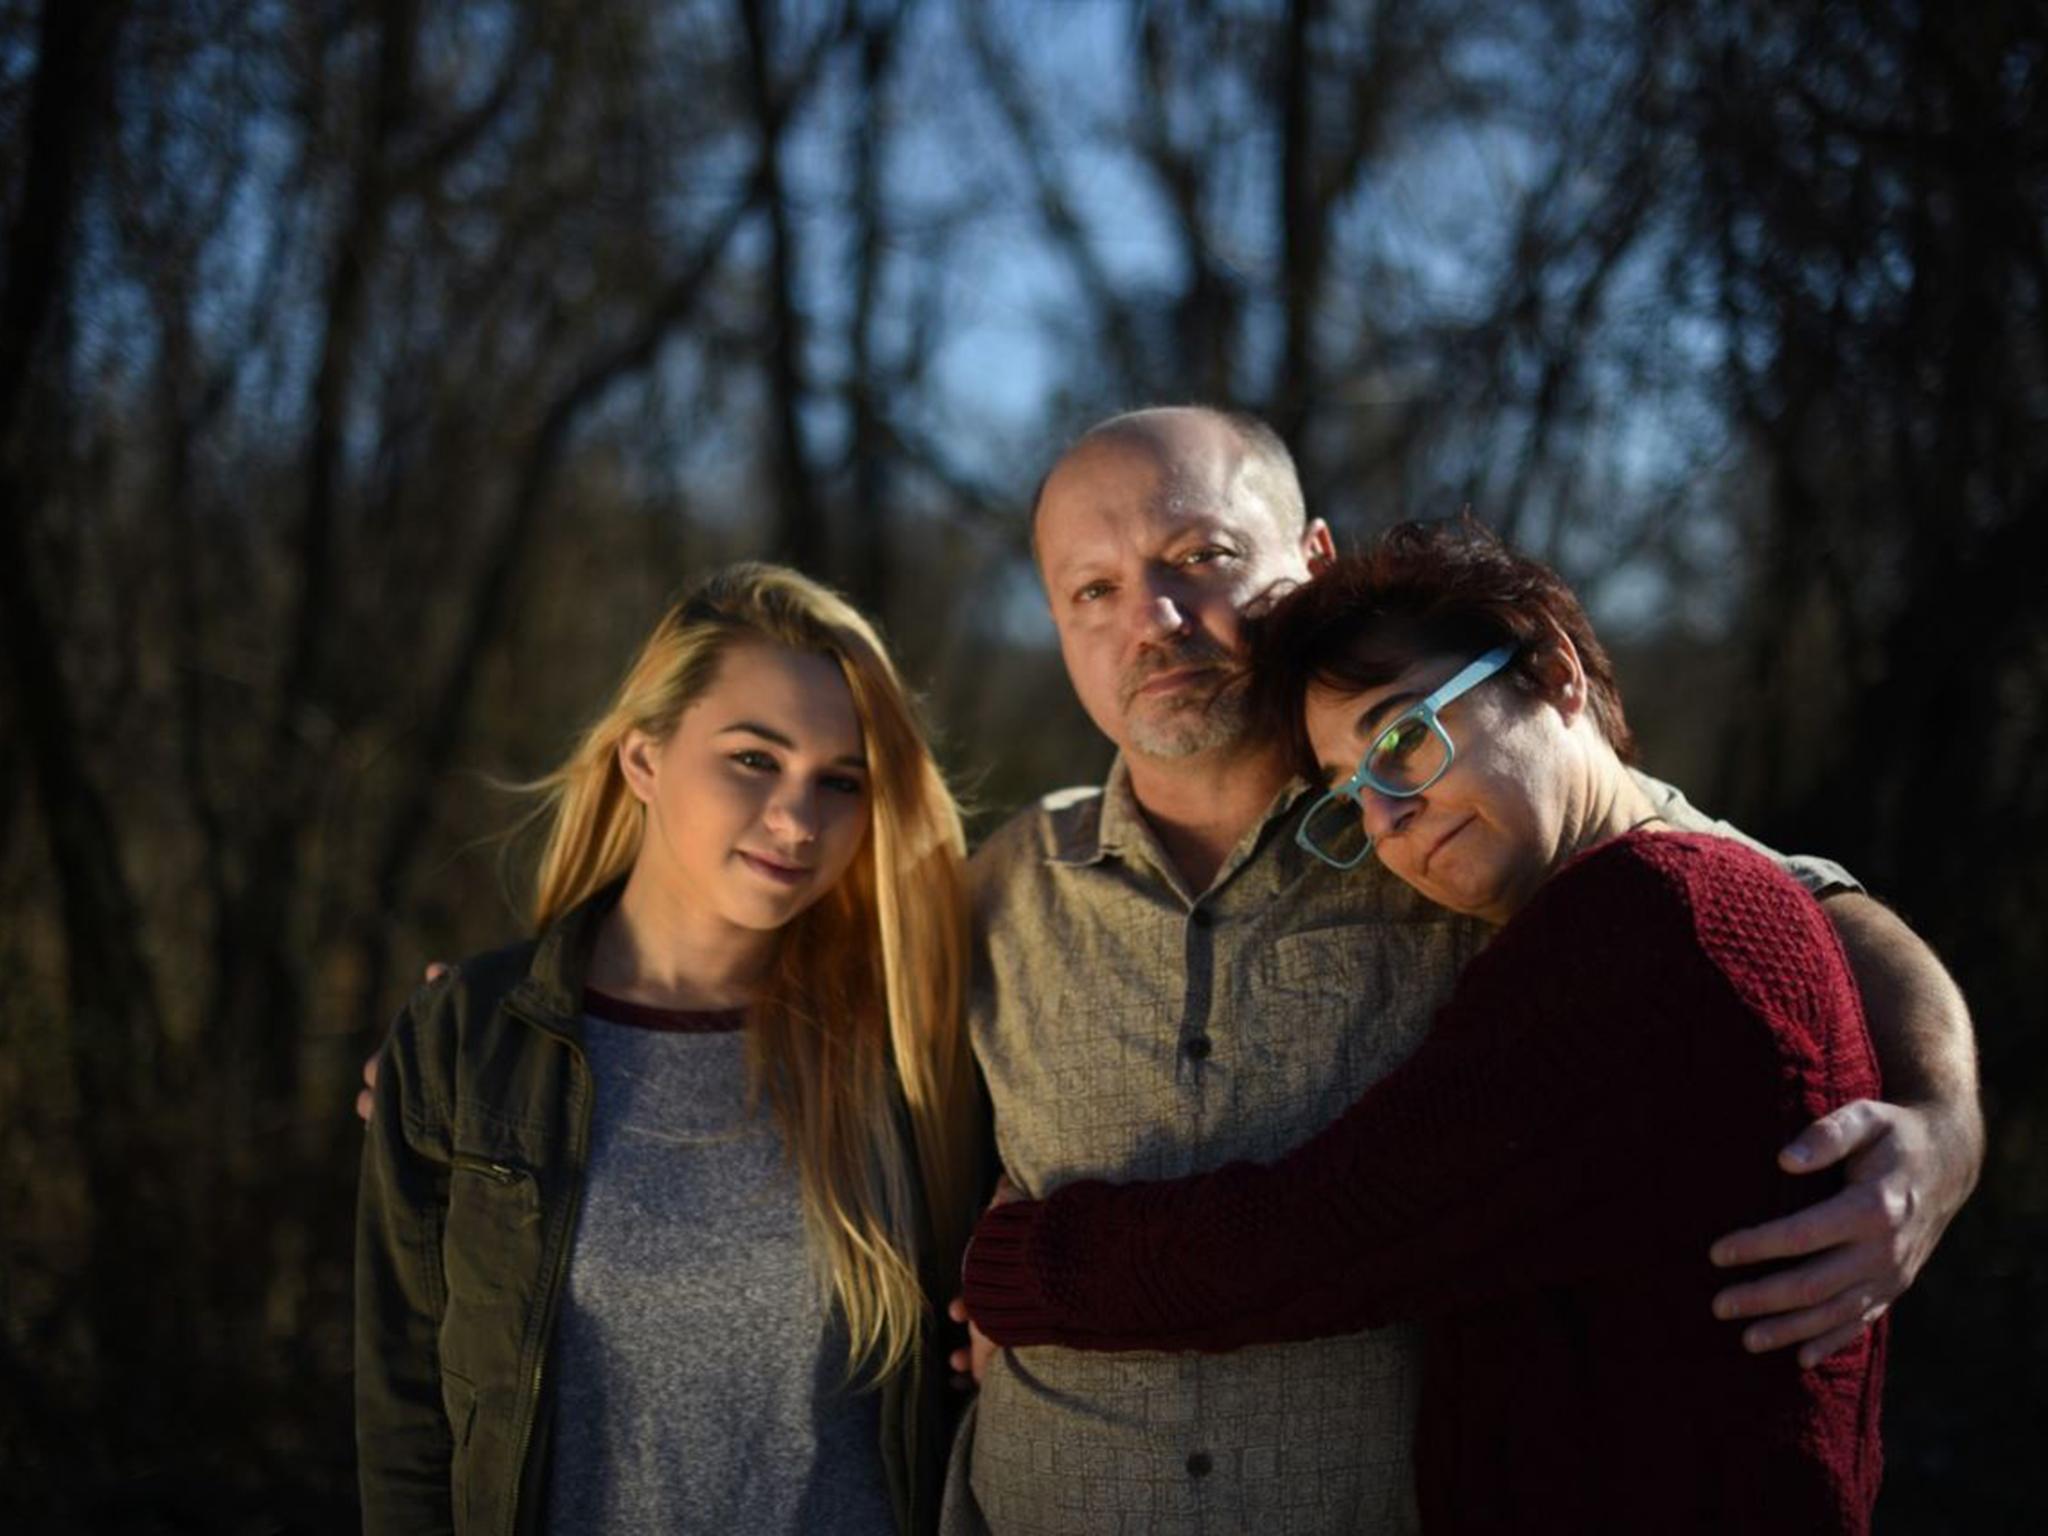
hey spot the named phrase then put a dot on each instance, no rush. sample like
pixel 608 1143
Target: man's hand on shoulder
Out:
pixel 1909 1165
pixel 366 1096
pixel 1907 1175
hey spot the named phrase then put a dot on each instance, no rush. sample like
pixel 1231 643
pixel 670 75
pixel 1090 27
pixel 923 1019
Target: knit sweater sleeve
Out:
pixel 1516 1148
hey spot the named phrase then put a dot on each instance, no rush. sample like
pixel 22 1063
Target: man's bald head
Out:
pixel 1255 464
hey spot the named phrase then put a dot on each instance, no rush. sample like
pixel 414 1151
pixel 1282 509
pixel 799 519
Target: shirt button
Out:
pixel 1196 1047
pixel 1199 1464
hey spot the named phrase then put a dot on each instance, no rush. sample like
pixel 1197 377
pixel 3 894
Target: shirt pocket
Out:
pixel 1328 1012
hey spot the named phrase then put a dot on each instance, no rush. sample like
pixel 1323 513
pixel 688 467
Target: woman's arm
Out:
pixel 1499 1156
pixel 1259 1253
pixel 1583 1098
pixel 403 1444
pixel 1910 1162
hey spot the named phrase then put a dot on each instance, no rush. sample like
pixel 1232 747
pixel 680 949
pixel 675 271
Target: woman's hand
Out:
pixel 971 1363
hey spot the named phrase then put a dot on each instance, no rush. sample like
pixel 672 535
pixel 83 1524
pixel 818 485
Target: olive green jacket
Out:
pixel 472 1173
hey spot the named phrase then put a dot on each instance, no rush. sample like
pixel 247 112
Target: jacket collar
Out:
pixel 551 991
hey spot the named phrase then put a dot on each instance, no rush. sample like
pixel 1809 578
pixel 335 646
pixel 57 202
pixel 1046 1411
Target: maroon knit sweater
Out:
pixel 1604 1094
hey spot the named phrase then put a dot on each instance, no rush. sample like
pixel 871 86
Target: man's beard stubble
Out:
pixel 1193 722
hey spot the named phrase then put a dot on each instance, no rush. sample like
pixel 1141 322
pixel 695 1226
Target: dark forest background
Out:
pixel 370 371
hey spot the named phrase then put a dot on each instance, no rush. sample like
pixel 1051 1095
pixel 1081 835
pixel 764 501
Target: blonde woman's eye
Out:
pixel 844 784
pixel 759 761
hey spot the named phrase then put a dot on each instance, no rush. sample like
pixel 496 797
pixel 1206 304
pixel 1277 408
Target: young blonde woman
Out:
pixel 652 1203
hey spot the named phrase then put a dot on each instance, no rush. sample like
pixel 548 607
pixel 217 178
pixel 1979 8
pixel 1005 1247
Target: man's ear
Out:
pixel 1318 547
pixel 637 754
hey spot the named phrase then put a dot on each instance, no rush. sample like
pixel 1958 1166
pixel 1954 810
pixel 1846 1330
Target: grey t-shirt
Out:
pixel 699 1369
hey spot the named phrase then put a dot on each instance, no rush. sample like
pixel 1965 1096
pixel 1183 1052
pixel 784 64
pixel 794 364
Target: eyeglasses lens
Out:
pixel 1333 828
pixel 1407 756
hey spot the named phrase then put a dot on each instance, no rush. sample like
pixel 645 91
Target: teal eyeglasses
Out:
pixel 1411 753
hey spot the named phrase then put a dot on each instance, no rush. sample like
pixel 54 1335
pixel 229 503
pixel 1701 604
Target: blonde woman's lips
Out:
pixel 781 874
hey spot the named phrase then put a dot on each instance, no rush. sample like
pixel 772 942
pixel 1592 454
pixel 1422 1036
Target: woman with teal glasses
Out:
pixel 1607 1089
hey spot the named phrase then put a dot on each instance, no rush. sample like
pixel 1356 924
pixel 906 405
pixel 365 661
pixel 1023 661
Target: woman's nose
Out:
pixel 1384 815
pixel 793 814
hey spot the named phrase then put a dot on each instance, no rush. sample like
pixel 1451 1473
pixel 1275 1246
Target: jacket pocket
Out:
pixel 491 1256
pixel 490 1247
pixel 458 1401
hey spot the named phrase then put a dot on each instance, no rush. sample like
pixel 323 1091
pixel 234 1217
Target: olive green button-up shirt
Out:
pixel 1131 1028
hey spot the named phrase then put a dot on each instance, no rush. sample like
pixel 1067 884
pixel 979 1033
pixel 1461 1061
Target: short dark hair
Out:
pixel 1420 589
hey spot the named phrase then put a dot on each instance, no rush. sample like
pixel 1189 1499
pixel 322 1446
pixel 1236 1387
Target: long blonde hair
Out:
pixel 857 1033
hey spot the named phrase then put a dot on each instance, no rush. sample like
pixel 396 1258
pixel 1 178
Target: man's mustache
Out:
pixel 1182 651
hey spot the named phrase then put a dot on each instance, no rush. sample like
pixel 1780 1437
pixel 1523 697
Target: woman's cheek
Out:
pixel 732 794
pixel 849 831
pixel 1399 866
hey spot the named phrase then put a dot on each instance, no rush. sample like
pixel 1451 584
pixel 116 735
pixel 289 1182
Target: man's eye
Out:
pixel 1208 554
pixel 1094 590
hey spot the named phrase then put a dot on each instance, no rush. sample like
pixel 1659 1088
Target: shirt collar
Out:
pixel 1087 827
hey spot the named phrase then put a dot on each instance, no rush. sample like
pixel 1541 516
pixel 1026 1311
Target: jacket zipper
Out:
pixel 497 1173
pixel 554 1294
